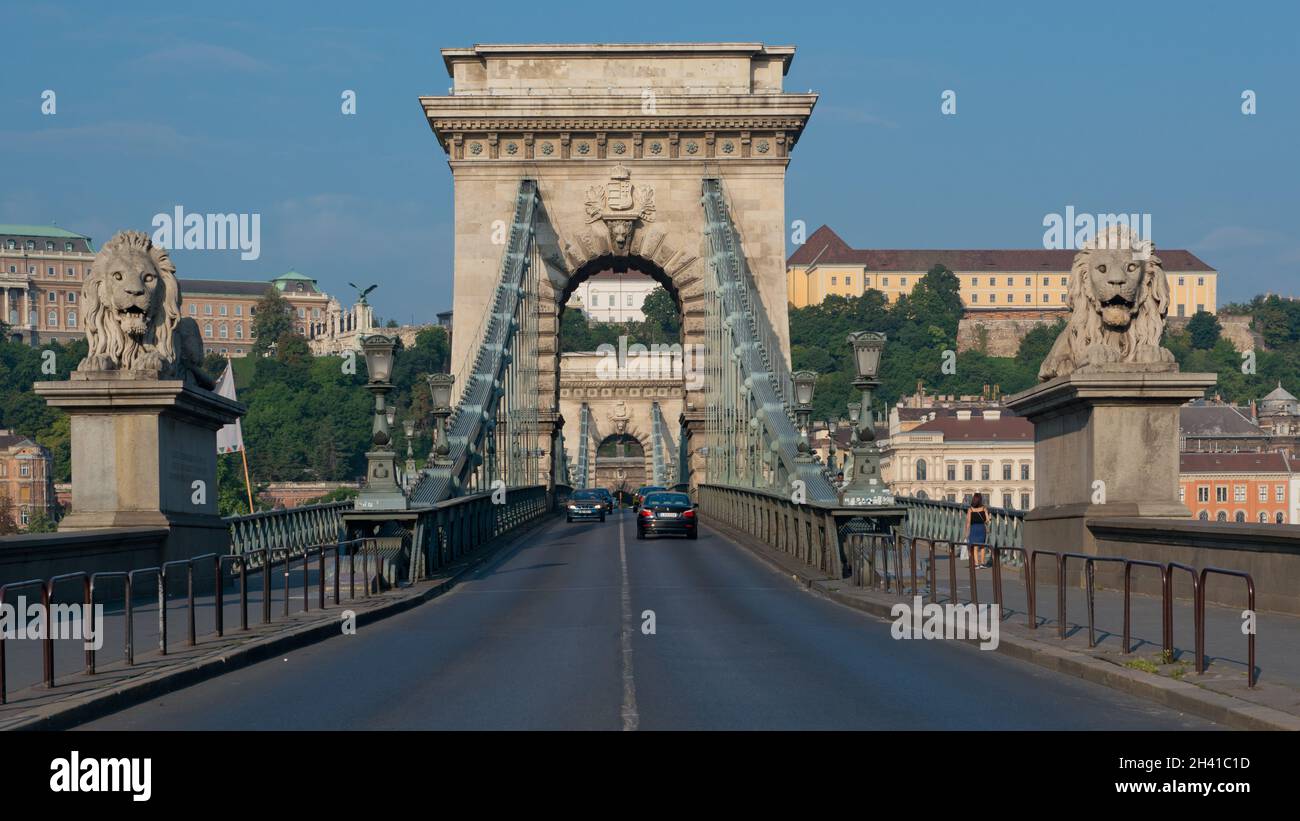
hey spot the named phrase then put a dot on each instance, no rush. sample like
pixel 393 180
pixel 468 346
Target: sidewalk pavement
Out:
pixel 78 697
pixel 1221 694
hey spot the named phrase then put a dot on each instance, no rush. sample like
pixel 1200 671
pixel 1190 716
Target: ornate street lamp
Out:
pixel 408 427
pixel 440 385
pixel 865 487
pixel 381 491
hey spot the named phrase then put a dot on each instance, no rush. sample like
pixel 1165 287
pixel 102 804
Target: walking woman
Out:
pixel 977 517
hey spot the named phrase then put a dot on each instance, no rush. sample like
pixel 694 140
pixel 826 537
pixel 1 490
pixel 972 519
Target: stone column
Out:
pixel 144 454
pixel 1105 445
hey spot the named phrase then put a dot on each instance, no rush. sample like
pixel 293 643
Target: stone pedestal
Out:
pixel 1114 425
pixel 144 454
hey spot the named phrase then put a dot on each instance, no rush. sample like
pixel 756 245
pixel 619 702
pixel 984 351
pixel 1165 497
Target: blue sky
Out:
pixel 234 107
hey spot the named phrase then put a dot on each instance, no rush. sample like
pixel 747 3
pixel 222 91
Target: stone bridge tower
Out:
pixel 619 138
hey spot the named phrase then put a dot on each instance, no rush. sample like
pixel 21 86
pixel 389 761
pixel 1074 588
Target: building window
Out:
pixel 71 297
pixel 302 312
pixel 1006 471
pixel 1024 501
pixel 1280 493
pixel 1065 281
pixel 1200 280
pixel 239 310
pixel 1029 298
pixel 11 245
pixel 24 470
pixel 1263 493
pixel 1180 280
pixel 834 280
pixel 1204 516
pixel 968 472
pixel 952 473
pixel 921 470
pixel 207 331
pixel 847 281
pixel 52 319
pixel 223 310
pixel 1222 517
pixel 51 297
pixel 1062 297
pixel 1239 493
pixel 1182 494
pixel 72 272
pixel 72 319
pixel 1241 516
pixel 1202 494
pixel 903 281
pixel 1200 306
pixel 1024 473
pixel 1044 297
pixel 207 310
pixel 1263 517
pixel 993 297
pixel 67 246
pixel 1006 500
pixel 1182 309
pixel 1221 493
pixel 50 271
pixel 965 498
pixel 1279 518
pixel 239 330
pixel 49 246
pixel 974 297
pixel 984 473
pixel 223 331
pixel 194 309
pixel 884 281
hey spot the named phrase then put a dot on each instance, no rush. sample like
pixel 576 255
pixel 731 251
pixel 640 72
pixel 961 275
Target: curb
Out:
pixel 1178 695
pixel 132 693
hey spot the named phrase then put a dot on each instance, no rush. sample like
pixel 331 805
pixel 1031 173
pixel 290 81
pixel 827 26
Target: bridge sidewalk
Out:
pixel 1220 694
pixel 77 697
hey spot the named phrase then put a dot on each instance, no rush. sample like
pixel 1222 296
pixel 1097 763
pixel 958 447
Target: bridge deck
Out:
pixel 549 636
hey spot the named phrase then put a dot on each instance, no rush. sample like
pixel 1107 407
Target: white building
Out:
pixel 611 297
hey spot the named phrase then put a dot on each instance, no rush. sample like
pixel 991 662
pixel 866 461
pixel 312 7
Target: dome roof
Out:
pixel 1279 394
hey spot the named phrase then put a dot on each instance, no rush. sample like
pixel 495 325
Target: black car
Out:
pixel 641 494
pixel 667 512
pixel 607 498
pixel 585 504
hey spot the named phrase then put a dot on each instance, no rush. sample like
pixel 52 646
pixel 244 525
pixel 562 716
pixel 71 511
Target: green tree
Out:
pixel 274 319
pixel 663 318
pixel 1204 330
pixel 40 522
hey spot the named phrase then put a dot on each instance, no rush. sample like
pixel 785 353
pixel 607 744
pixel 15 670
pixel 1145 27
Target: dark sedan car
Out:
pixel 641 494
pixel 607 499
pixel 585 504
pixel 667 512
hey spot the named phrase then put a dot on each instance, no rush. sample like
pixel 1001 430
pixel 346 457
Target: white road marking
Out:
pixel 630 717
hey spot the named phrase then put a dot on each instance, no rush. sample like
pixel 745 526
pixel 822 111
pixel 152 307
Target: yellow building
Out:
pixel 994 280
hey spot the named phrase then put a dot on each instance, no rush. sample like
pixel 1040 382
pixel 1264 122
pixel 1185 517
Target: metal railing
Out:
pixel 291 529
pixel 946 521
pixel 226 570
pixel 870 557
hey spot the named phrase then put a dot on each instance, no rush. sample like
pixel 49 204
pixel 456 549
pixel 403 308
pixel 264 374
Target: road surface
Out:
pixel 550 636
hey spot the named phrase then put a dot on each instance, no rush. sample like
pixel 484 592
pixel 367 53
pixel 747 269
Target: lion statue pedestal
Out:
pixel 144 420
pixel 1106 415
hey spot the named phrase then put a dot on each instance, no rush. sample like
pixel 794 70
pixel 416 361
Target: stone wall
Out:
pixel 1236 329
pixel 42 555
pixel 998 333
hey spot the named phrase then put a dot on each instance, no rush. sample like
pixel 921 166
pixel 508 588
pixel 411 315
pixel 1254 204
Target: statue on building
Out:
pixel 1118 300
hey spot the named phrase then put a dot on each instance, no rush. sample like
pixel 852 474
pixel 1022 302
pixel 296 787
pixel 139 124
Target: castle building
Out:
pixel 613 297
pixel 42 268
pixel 26 479
pixel 1035 281
pixel 1238 487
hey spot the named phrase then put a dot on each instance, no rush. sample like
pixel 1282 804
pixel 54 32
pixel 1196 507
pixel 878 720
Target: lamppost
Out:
pixel 805 383
pixel 865 487
pixel 381 491
pixel 440 391
pixel 408 427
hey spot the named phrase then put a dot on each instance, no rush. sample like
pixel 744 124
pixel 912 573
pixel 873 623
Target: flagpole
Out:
pixel 248 486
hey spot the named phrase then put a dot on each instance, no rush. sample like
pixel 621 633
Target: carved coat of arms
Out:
pixel 620 204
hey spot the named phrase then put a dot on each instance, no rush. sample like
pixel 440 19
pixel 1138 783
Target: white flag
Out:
pixel 230 438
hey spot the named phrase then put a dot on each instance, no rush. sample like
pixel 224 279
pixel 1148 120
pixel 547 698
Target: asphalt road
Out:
pixel 550 636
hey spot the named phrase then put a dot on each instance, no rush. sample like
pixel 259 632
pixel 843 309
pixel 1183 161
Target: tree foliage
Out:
pixel 662 325
pixel 273 320
pixel 1204 330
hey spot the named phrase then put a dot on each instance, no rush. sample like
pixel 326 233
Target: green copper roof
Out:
pixel 295 275
pixel 39 231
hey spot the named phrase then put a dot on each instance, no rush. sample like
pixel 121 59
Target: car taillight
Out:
pixel 690 514
pixel 645 511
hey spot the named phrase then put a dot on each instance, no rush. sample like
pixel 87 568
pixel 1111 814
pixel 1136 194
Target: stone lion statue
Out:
pixel 132 307
pixel 1118 300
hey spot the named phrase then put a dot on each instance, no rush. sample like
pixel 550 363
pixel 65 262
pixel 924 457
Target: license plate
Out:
pixel 666 515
